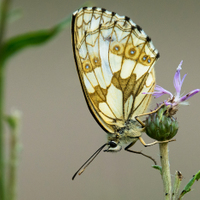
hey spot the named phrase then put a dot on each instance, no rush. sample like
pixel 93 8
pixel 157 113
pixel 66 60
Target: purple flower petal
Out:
pixel 175 99
pixel 189 95
pixel 177 79
pixel 159 91
pixel 167 103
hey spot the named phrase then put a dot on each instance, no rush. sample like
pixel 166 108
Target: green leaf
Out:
pixel 190 183
pixel 20 42
pixel 158 167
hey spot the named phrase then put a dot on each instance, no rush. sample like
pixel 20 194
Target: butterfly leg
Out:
pixel 138 152
pixel 148 114
pixel 156 142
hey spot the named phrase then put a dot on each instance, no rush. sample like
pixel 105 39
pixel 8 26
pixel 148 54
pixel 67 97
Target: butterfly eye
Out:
pixel 87 66
pixel 113 147
pixel 112 144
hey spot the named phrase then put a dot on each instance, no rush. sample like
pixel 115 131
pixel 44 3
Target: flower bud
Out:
pixel 160 126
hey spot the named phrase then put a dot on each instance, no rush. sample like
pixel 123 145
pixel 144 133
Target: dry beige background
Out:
pixel 59 133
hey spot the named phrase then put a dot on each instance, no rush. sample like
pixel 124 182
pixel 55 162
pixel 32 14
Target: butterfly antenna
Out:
pixel 83 167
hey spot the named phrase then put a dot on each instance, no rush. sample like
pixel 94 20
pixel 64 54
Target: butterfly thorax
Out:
pixel 125 135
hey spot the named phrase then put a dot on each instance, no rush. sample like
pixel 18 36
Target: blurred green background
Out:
pixel 59 133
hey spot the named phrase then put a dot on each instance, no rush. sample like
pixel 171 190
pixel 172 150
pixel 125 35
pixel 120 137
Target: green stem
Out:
pixel 4 11
pixel 166 176
pixel 177 182
pixel 14 148
pixel 3 17
pixel 2 139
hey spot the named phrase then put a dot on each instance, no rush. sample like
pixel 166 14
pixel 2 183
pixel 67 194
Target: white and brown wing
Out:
pixel 114 59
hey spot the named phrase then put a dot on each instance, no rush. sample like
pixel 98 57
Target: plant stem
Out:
pixel 2 139
pixel 3 16
pixel 14 148
pixel 4 11
pixel 166 176
pixel 177 182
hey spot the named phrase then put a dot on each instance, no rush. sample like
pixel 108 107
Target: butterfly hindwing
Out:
pixel 115 60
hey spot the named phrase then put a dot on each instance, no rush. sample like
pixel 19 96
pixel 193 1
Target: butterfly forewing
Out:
pixel 115 60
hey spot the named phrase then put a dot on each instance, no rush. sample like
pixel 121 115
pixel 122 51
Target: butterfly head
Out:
pixel 125 135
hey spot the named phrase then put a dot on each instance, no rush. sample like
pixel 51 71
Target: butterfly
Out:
pixel 114 59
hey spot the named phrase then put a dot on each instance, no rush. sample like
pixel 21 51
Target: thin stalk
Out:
pixel 4 11
pixel 166 176
pixel 15 148
pixel 3 16
pixel 2 139
pixel 177 182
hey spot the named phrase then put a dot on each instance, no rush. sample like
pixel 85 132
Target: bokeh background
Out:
pixel 59 133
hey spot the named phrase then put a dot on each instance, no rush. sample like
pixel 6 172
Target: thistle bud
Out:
pixel 161 126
